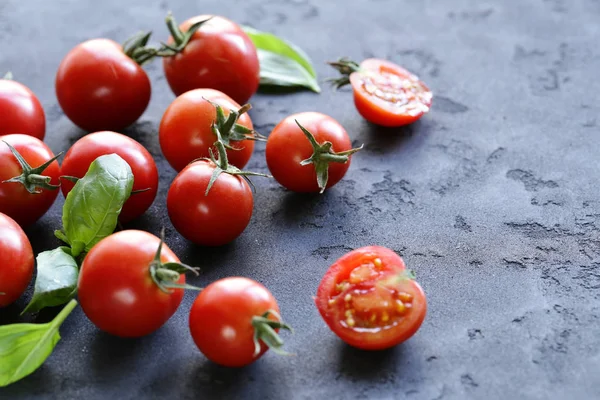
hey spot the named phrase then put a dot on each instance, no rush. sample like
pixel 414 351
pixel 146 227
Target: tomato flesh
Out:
pixel 368 302
pixel 16 261
pixel 389 95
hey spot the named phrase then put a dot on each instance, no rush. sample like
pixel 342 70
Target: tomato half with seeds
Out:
pixel 219 55
pixel 385 93
pixel 18 199
pixel 234 321
pixel 369 300
pixel 99 87
pixel 126 287
pixel 16 261
pixel 21 110
pixel 145 174
pixel 185 132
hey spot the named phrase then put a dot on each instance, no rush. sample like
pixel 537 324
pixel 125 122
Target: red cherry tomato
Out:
pixel 287 146
pixel 215 219
pixel 16 261
pixel 185 132
pixel 219 56
pixel 15 200
pixel 387 94
pixel 101 88
pixel 221 320
pixel 116 290
pixel 21 110
pixel 368 301
pixel 79 157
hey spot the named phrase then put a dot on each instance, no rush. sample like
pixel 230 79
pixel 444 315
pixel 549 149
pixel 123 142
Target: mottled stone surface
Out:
pixel 492 199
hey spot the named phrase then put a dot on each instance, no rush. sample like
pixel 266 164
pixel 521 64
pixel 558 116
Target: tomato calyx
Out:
pixel 322 156
pixel 264 330
pixel 222 163
pixel 180 38
pixel 230 130
pixel 166 275
pixel 8 76
pixel 136 48
pixel 32 178
pixel 346 67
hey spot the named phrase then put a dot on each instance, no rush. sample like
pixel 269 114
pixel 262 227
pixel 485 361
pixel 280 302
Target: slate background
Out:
pixel 491 198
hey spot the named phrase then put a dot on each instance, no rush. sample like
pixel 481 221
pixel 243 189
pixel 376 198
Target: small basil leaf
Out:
pixel 25 347
pixel 92 207
pixel 281 62
pixel 56 280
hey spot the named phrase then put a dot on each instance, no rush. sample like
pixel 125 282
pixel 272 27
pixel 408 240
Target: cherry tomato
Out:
pixel 218 56
pixel 116 288
pixel 21 110
pixel 225 317
pixel 385 93
pixel 185 132
pixel 15 201
pixel 214 219
pixel 287 146
pixel 79 157
pixel 16 261
pixel 100 88
pixel 369 301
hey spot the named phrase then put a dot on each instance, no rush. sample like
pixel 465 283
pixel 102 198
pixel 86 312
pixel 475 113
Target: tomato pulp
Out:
pixel 21 110
pixel 367 299
pixel 16 261
pixel 100 88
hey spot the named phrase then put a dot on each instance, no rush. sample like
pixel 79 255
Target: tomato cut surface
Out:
pixel 368 299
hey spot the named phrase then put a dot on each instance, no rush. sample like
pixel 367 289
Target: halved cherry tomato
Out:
pixel 288 146
pixel 369 300
pixel 214 219
pixel 15 199
pixel 226 316
pixel 16 261
pixel 20 110
pixel 124 290
pixel 218 56
pixel 385 93
pixel 79 157
pixel 100 88
pixel 185 129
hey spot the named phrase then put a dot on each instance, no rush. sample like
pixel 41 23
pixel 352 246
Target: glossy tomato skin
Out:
pixel 287 147
pixel 21 110
pixel 15 200
pixel 219 56
pixel 185 132
pixel 101 88
pixel 16 261
pixel 79 157
pixel 383 311
pixel 115 288
pixel 382 111
pixel 221 320
pixel 212 220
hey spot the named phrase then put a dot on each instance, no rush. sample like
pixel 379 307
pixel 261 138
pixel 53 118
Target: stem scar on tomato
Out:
pixel 32 178
pixel 322 156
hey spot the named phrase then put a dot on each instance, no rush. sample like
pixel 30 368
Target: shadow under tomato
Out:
pixel 112 356
pixel 382 140
pixel 209 258
pixel 271 89
pixel 296 206
pixel 368 365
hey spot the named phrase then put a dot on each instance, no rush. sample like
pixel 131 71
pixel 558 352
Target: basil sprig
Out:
pixel 25 347
pixel 281 62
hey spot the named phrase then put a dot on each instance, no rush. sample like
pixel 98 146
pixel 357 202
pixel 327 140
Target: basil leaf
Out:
pixel 25 347
pixel 56 280
pixel 92 207
pixel 281 62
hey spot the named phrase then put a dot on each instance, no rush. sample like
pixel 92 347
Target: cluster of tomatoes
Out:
pixel 367 297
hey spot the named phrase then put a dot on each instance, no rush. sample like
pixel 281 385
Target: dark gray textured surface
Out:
pixel 492 199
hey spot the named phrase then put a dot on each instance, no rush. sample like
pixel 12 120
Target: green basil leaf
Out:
pixel 92 207
pixel 56 280
pixel 25 347
pixel 281 62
